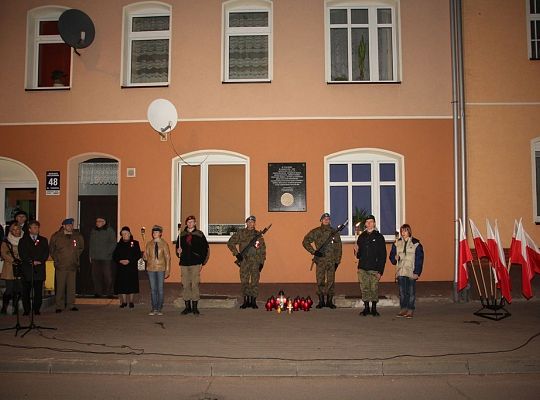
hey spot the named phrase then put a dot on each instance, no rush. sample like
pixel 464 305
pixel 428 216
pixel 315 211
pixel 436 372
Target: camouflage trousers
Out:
pixel 249 278
pixel 369 285
pixel 326 278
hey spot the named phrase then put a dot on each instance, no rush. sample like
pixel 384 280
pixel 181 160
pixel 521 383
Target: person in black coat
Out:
pixel 371 253
pixel 126 255
pixel 192 248
pixel 34 252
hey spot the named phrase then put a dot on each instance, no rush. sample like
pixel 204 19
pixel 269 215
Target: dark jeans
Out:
pixel 103 274
pixel 407 292
pixel 38 295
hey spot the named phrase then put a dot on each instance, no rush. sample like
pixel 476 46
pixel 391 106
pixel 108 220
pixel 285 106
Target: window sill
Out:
pixel 351 239
pixel 364 83
pixel 144 86
pixel 47 89
pixel 239 81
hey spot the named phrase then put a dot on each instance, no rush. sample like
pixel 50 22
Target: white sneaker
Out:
pixel 159 313
pixel 152 312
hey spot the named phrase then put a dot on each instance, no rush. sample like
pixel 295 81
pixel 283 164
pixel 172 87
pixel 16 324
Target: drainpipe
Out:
pixel 456 130
pixel 463 127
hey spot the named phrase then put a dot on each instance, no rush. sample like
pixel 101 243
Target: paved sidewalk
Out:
pixel 104 339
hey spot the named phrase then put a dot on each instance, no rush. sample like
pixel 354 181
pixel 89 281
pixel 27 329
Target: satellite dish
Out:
pixel 76 29
pixel 162 116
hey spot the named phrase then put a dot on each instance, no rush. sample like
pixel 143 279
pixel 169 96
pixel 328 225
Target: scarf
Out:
pixel 14 240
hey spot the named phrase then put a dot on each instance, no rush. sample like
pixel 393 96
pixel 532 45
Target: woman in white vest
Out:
pixel 408 255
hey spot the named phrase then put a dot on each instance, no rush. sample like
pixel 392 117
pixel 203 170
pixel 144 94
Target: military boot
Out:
pixel 188 309
pixel 329 302
pixel 254 302
pixel 366 310
pixel 321 302
pixel 195 309
pixel 374 309
pixel 246 303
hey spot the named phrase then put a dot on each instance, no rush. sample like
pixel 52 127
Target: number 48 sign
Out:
pixel 52 183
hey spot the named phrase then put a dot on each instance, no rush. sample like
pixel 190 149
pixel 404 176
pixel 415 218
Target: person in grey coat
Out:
pixel 102 245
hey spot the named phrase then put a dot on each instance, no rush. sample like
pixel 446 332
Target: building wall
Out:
pixel 298 88
pixel 503 114
pixel 297 117
pixel 145 199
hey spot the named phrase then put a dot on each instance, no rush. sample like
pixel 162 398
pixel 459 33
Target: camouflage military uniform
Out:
pixel 254 257
pixel 326 265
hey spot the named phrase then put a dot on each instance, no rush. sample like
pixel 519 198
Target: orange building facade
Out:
pixel 254 83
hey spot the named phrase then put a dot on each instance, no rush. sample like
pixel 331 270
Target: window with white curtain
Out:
pixel 368 181
pixel 533 28
pixel 212 185
pixel 247 41
pixel 48 57
pixel 361 41
pixel 147 44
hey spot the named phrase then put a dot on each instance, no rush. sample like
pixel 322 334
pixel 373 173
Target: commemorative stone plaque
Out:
pixel 287 187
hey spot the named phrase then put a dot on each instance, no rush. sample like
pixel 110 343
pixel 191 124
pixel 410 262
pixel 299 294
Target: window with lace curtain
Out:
pixel 361 41
pixel 147 40
pixel 533 28
pixel 247 41
pixel 48 57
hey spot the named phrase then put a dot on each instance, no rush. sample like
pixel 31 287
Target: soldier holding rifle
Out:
pixel 247 245
pixel 327 256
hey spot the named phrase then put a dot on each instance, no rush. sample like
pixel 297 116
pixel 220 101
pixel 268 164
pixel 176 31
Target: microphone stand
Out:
pixel 32 296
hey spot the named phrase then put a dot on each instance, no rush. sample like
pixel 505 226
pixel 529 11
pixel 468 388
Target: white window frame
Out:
pixel 374 157
pixel 143 9
pixel 204 158
pixel 535 146
pixel 531 17
pixel 372 6
pixel 34 39
pixel 246 6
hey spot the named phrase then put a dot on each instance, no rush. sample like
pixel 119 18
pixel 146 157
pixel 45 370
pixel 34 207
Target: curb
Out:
pixel 270 368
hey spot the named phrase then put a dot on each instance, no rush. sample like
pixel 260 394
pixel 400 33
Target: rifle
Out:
pixel 330 237
pixel 252 242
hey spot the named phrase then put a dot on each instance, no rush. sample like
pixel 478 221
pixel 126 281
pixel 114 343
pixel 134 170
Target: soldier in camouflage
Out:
pixel 251 261
pixel 327 259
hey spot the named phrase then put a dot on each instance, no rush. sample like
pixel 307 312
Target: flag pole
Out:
pixel 482 274
pixel 490 279
pixel 476 279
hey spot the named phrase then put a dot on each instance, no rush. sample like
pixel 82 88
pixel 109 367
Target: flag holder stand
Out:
pixel 493 310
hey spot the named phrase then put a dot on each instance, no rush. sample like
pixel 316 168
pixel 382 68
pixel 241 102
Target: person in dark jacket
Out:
pixel 65 248
pixel 34 252
pixel 408 254
pixel 126 255
pixel 371 253
pixel 192 248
